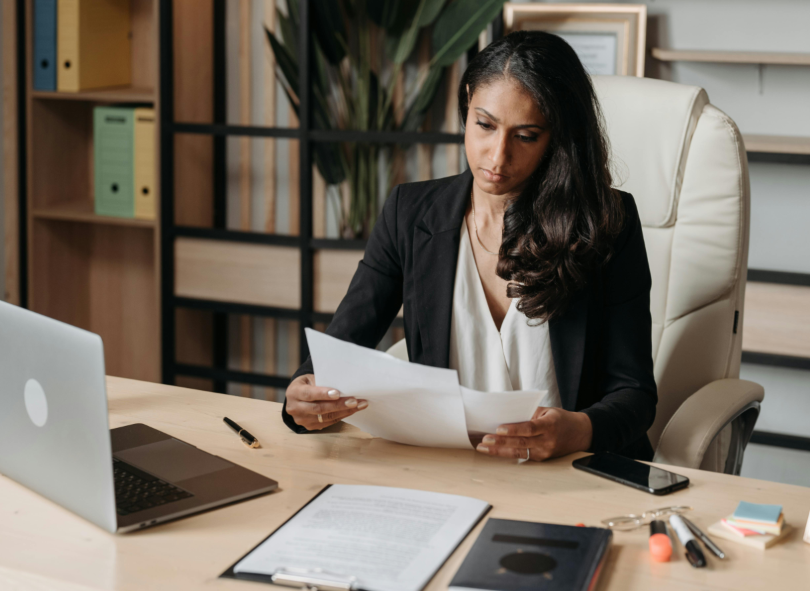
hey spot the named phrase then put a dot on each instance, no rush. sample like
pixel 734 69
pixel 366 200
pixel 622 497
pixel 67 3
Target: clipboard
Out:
pixel 317 580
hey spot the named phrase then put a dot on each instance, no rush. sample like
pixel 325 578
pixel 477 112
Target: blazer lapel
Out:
pixel 435 254
pixel 567 335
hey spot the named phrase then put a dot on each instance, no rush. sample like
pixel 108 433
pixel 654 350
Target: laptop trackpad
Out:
pixel 172 460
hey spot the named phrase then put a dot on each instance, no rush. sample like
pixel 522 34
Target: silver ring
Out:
pixel 320 419
pixel 528 454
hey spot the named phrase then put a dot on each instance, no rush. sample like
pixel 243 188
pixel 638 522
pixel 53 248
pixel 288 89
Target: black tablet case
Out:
pixel 521 556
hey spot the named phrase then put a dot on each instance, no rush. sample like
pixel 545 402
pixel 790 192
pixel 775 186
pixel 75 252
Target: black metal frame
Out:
pixel 778 158
pixel 22 157
pixel 220 130
pixel 780 440
pixel 779 277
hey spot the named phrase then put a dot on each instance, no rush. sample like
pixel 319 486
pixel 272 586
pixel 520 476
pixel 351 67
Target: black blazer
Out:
pixel 601 345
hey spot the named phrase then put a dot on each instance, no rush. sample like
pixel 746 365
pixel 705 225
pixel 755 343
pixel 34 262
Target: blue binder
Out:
pixel 44 44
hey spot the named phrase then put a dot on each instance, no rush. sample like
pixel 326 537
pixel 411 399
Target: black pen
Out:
pixel 693 552
pixel 715 549
pixel 247 438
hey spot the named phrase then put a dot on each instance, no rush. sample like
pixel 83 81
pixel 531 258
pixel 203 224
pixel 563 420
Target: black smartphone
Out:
pixel 632 473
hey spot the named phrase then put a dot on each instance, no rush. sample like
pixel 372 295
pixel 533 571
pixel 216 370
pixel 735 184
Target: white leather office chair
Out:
pixel 684 162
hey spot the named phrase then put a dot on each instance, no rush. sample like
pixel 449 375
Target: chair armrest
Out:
pixel 702 416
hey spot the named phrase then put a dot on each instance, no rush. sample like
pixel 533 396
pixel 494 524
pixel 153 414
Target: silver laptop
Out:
pixel 55 438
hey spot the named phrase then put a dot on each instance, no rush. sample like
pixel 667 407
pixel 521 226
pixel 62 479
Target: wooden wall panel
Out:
pixel 122 303
pixel 11 220
pixel 60 279
pixel 777 319
pixel 144 43
pixel 102 279
pixel 61 145
pixel 193 344
pixel 333 271
pixel 193 103
pixel 238 272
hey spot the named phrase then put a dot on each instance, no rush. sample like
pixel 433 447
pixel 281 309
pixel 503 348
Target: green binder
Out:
pixel 113 148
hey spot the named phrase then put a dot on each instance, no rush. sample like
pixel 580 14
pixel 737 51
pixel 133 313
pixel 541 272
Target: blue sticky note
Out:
pixel 758 512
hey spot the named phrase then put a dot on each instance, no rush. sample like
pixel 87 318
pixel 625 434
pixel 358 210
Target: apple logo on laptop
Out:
pixel 35 402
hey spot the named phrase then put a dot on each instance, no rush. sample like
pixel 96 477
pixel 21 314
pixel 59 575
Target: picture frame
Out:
pixel 609 38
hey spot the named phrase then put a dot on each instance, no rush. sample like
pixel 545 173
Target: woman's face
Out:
pixel 506 137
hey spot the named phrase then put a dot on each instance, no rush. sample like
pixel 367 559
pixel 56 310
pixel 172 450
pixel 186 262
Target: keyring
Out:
pixel 320 419
pixel 528 454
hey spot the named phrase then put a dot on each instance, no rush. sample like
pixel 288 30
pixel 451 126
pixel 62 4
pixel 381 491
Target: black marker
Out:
pixel 693 552
pixel 707 541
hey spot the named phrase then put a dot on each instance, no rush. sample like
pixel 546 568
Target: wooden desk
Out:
pixel 45 547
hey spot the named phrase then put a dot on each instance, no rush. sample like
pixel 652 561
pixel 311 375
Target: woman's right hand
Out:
pixel 305 401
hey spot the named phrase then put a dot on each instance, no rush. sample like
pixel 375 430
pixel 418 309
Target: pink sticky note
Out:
pixel 741 530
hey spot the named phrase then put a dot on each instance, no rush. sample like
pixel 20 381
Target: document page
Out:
pixel 386 539
pixel 485 411
pixel 408 402
pixel 413 403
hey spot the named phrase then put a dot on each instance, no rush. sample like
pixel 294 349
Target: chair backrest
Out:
pixel 685 164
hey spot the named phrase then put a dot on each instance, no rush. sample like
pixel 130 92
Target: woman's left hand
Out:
pixel 551 433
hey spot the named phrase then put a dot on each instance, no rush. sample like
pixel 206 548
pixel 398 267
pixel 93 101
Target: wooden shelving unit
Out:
pixel 120 94
pixel 732 57
pixel 777 144
pixel 777 319
pixel 96 272
pixel 82 211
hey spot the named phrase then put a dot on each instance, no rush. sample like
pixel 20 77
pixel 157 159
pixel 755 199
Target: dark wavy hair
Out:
pixel 563 224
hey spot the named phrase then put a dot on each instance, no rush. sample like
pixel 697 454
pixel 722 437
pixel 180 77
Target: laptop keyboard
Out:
pixel 135 490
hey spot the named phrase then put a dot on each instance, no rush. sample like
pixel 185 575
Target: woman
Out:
pixel 528 271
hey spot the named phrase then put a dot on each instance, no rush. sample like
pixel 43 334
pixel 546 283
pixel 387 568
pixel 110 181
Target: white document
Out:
pixel 413 403
pixel 485 411
pixel 408 402
pixel 379 538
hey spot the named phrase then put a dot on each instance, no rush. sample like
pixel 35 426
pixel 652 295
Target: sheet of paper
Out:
pixel 390 539
pixel 408 402
pixel 485 411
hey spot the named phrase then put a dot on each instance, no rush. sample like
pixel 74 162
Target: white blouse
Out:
pixel 518 357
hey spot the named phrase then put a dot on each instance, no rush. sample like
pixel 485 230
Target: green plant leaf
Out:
pixel 330 30
pixel 392 15
pixel 430 12
pixel 329 161
pixel 458 27
pixel 403 43
pixel 286 63
pixel 424 98
pixel 319 78
pixel 292 10
pixel 383 12
pixel 289 34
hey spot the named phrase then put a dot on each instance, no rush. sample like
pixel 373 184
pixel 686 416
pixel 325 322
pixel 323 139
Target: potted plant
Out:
pixel 359 51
